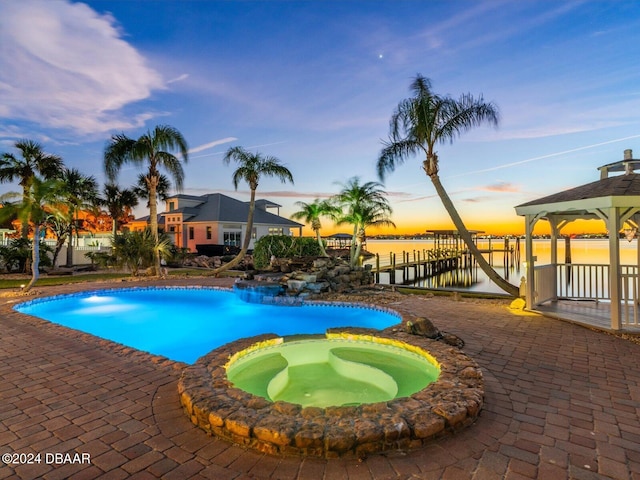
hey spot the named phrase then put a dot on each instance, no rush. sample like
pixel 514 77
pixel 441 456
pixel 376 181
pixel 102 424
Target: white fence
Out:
pixel 79 254
pixel 589 282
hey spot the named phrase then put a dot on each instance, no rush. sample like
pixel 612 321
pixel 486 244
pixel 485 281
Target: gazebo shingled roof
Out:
pixel 617 186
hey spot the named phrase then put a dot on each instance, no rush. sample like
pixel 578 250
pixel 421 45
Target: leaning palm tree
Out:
pixel 251 168
pixel 312 212
pixel 153 150
pixel 81 194
pixel 35 207
pixel 119 203
pixel 424 120
pixel 358 203
pixel 33 161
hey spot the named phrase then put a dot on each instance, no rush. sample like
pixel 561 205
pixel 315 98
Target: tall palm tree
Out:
pixel 152 149
pixel 363 205
pixel 36 205
pixel 251 168
pixel 33 161
pixel 119 203
pixel 424 120
pixel 312 212
pixel 81 193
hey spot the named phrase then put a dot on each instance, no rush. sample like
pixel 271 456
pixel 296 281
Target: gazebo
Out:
pixel 612 199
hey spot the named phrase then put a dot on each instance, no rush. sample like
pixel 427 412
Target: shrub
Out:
pixel 283 246
pixel 136 250
pixel 16 257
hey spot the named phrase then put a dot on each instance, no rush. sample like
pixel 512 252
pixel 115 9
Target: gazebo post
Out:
pixel 615 281
pixel 530 221
pixel 554 253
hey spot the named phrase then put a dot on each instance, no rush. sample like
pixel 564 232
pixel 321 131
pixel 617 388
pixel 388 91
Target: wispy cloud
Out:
pixel 263 194
pixel 209 145
pixel 64 65
pixel 179 78
pixel 543 157
pixel 501 187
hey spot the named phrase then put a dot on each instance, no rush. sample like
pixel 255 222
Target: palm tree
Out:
pixel 152 149
pixel 311 213
pixel 368 215
pixel 34 161
pixel 118 203
pixel 363 205
pixel 424 120
pixel 251 168
pixel 81 193
pixel 37 204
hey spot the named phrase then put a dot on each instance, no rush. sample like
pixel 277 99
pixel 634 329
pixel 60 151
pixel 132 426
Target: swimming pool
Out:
pixel 184 323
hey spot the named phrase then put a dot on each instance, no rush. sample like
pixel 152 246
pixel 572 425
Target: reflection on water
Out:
pixel 584 251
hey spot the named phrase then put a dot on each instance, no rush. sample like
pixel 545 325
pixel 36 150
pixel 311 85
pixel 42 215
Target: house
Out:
pixel 195 222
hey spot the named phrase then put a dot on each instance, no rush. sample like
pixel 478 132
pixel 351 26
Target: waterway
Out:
pixel 583 251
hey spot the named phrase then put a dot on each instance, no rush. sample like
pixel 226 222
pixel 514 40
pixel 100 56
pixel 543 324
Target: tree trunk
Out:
pixel 59 244
pixel 35 256
pixel 323 252
pixel 352 247
pixel 245 242
pixel 466 236
pixel 153 223
pixel 24 226
pixel 356 254
pixel 69 262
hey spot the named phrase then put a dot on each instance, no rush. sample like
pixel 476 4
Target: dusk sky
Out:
pixel 314 83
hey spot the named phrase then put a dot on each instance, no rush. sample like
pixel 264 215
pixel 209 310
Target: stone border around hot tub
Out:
pixel 451 403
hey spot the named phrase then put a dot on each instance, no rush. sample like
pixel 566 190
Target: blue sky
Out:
pixel 314 84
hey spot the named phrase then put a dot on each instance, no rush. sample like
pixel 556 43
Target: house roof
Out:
pixel 216 207
pixel 262 203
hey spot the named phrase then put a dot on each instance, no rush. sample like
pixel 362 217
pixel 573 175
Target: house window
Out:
pixel 172 206
pixel 276 231
pixel 208 233
pixel 191 233
pixel 232 239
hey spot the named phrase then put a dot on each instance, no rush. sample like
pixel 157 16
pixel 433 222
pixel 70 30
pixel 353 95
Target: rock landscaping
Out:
pixel 308 276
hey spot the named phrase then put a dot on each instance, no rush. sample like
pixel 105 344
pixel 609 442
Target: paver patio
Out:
pixel 562 401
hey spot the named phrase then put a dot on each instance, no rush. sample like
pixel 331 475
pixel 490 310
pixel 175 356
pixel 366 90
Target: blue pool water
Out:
pixel 185 323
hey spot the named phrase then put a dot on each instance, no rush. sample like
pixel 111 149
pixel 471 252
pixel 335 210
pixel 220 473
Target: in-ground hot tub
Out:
pixel 324 372
pixel 212 402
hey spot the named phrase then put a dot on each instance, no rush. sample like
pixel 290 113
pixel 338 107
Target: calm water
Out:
pixel 185 323
pixel 589 251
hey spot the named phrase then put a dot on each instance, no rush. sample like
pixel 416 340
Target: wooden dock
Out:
pixel 424 264
pixel 430 263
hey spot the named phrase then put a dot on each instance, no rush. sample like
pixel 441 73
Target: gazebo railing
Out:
pixel 589 282
pixel 544 284
pixel 583 281
pixel 630 297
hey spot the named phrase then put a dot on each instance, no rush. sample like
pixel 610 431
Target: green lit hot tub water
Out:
pixel 332 371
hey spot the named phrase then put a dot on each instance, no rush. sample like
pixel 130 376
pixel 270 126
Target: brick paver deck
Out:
pixel 561 402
